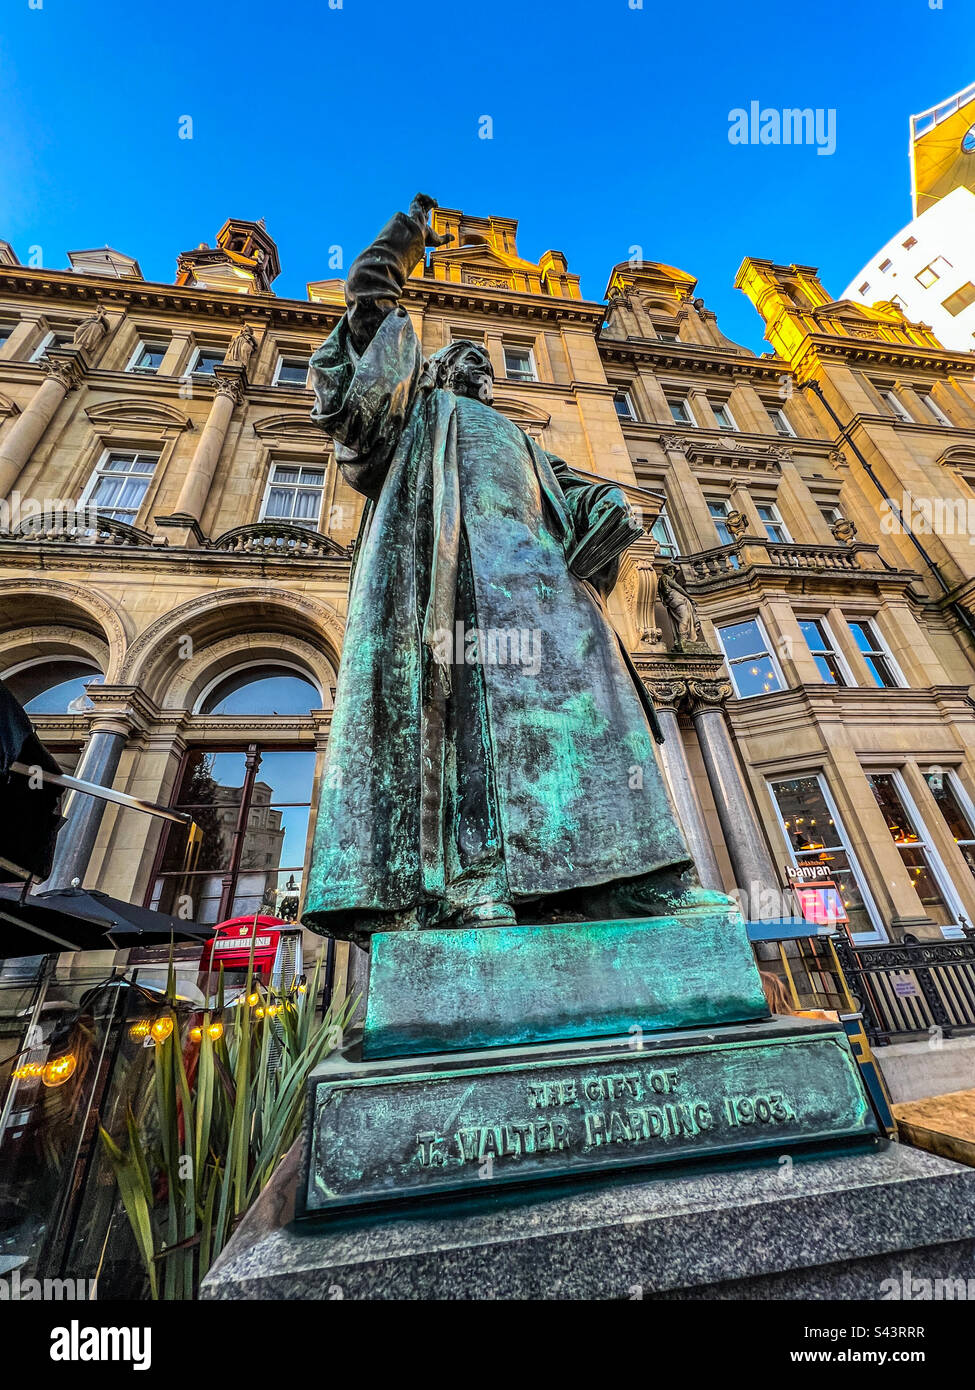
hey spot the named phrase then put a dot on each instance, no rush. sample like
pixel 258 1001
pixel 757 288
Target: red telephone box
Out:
pixel 230 947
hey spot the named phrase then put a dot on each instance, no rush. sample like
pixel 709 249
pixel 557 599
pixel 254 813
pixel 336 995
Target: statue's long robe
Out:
pixel 516 781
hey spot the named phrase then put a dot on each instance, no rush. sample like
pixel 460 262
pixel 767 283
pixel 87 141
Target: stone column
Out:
pixel 196 485
pixel 750 858
pixel 680 780
pixel 64 369
pixel 76 840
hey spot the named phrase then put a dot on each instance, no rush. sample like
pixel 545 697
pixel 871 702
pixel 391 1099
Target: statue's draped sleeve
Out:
pixel 366 374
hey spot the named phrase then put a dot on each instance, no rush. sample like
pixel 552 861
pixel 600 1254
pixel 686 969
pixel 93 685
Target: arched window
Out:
pixel 265 689
pixel 54 685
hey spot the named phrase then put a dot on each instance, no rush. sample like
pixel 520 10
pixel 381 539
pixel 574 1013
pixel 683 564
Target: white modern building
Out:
pixel 928 268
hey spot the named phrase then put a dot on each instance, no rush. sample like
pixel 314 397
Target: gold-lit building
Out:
pixel 176 549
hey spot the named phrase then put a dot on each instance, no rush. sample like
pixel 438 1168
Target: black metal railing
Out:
pixel 907 990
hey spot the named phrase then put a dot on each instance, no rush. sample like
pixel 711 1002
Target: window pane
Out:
pixel 905 835
pixel 881 672
pixel 250 692
pixel 949 806
pixel 755 677
pixel 280 501
pixel 283 473
pixel 50 687
pixel 741 640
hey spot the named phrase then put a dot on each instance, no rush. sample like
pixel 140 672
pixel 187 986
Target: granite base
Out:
pixel 853 1226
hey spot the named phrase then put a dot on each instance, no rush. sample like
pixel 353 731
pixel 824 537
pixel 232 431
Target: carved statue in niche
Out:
pixel 242 345
pixel 679 604
pixel 91 330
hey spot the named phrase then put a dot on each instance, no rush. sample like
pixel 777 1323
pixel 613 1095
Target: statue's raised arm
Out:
pixel 379 273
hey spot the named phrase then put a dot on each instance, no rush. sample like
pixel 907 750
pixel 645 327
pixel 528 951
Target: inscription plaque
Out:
pixel 385 1130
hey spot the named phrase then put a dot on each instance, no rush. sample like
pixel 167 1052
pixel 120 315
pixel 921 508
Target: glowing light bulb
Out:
pixel 161 1028
pixel 215 1030
pixel 196 1034
pixel 59 1070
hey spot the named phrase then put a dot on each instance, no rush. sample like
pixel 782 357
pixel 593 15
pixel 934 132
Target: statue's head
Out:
pixel 464 368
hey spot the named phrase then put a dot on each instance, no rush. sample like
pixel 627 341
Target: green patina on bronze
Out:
pixel 490 743
pixel 386 1131
pixel 445 990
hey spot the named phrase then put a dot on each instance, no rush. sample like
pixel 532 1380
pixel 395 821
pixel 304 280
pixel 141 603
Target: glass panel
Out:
pixel 308 504
pixel 905 836
pixel 755 677
pixel 742 639
pixel 949 806
pixel 815 838
pixel 212 777
pixel 255 693
pixel 284 473
pixel 280 501
pixel 49 686
pixel 895 813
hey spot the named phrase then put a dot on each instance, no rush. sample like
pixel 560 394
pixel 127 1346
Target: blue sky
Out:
pixel 610 127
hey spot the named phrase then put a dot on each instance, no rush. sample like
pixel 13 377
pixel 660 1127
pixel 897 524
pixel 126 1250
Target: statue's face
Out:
pixel 472 375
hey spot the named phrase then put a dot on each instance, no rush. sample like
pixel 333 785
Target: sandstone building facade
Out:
pixel 176 546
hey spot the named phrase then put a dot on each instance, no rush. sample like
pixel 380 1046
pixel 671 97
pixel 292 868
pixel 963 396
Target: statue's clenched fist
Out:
pixel 420 211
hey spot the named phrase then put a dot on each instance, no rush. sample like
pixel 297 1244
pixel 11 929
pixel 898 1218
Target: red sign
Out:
pixel 820 902
pixel 230 945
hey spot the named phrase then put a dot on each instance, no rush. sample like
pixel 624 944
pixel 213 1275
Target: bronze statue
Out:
pixel 491 755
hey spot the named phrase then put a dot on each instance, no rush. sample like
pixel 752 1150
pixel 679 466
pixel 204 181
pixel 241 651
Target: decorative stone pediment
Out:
pixel 8 407
pixel 136 411
pixel 728 452
pixel 287 426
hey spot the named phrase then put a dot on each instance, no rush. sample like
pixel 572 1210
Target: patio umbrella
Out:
pixel 99 920
pixel 29 813
pixel 30 929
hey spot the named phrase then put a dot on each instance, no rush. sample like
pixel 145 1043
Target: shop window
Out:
pixel 956 810
pixel 815 834
pixel 754 670
pixel 909 835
